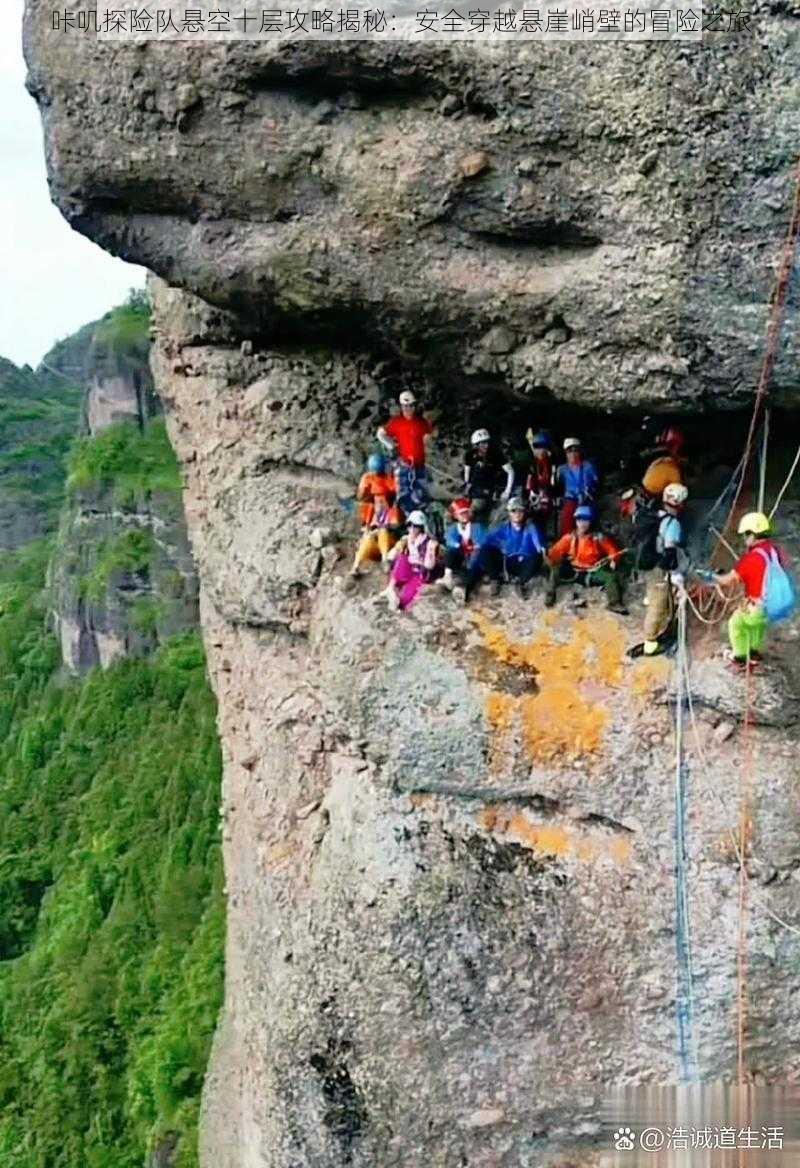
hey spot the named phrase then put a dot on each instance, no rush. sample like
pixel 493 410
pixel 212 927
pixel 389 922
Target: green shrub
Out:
pixel 130 552
pixel 134 462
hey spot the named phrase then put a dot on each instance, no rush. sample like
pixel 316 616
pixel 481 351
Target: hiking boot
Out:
pixel 494 588
pixel 460 594
pixel 619 608
pixel 737 664
pixel 525 591
pixel 549 599
pixel 578 599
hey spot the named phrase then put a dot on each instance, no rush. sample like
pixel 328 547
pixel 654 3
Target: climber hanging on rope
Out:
pixel 405 438
pixel 769 593
pixel 667 576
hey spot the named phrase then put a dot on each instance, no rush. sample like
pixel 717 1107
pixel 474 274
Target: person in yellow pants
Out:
pixel 377 535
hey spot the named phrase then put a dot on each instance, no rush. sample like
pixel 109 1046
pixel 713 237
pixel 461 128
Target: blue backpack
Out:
pixel 780 595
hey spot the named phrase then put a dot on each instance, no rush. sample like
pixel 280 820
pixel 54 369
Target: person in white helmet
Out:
pixel 485 475
pixel 667 576
pixel 415 562
pixel 576 483
pixel 406 438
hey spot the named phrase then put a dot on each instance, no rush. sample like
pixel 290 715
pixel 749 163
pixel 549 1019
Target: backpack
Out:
pixel 779 597
pixel 644 536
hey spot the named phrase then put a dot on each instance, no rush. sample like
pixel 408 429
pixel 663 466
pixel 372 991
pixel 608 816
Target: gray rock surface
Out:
pixel 449 859
pixel 616 246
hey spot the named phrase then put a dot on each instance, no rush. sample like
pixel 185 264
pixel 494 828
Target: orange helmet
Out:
pixel 459 507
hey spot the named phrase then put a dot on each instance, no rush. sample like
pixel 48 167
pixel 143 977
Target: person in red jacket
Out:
pixel 406 438
pixel 747 627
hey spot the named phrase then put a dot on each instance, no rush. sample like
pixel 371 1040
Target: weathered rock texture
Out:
pixel 122 578
pixel 102 615
pixel 449 843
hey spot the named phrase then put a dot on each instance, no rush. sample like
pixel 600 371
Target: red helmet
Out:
pixel 460 507
pixel 672 439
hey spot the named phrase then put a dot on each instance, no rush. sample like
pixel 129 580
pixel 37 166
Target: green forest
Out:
pixel 111 886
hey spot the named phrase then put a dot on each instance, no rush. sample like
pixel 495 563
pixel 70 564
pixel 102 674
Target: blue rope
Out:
pixel 684 995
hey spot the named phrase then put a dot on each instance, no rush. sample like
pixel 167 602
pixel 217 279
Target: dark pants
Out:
pixel 519 568
pixel 469 571
pixel 603 577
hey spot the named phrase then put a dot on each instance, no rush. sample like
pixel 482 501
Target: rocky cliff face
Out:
pixel 122 578
pixel 448 838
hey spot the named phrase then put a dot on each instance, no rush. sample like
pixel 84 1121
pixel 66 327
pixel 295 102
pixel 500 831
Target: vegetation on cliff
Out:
pixel 111 904
pixel 38 418
pixel 111 909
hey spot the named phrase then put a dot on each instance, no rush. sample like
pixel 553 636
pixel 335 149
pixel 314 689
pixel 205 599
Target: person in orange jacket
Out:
pixel 376 480
pixel 586 557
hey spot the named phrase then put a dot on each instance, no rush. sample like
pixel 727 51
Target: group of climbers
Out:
pixel 543 502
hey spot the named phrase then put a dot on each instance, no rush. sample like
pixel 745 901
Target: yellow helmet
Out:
pixel 754 522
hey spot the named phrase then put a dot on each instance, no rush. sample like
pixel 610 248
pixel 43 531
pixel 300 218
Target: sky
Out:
pixel 52 280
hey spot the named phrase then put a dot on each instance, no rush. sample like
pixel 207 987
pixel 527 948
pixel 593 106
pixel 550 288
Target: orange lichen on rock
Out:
pixel 500 709
pixel 553 839
pixel 594 650
pixel 559 722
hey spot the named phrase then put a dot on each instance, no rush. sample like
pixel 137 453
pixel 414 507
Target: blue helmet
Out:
pixel 584 512
pixel 376 464
pixel 541 438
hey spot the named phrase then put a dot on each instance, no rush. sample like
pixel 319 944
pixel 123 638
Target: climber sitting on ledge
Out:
pixel 512 551
pixel 378 535
pixel 463 541
pixel 586 557
pixel 406 438
pixel 415 560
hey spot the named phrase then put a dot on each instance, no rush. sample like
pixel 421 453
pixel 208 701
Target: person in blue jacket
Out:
pixel 513 551
pixel 462 548
pixel 576 483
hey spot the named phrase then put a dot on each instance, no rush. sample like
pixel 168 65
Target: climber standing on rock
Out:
pixel 576 483
pixel 406 437
pixel 539 489
pixel 512 551
pixel 486 475
pixel 667 576
pixel 586 557
pixel 768 591
pixel 667 465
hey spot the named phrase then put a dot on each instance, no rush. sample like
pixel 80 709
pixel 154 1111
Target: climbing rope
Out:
pixel 777 313
pixel 684 997
pixel 785 486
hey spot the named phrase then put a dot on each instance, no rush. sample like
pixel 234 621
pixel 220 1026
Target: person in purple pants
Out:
pixel 415 560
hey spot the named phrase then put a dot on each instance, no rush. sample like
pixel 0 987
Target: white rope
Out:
pixel 785 486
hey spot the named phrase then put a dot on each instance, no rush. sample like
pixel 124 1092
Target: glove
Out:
pixel 676 578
